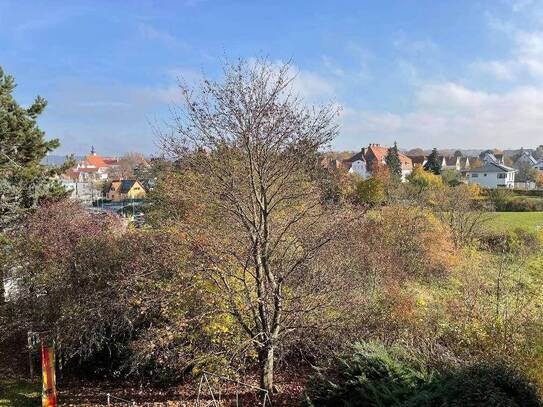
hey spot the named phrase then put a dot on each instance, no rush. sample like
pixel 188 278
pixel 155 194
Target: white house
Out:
pixel 371 157
pixel 358 164
pixel 492 175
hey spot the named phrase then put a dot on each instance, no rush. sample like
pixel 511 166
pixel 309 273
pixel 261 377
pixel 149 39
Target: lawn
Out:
pixel 17 393
pixel 511 220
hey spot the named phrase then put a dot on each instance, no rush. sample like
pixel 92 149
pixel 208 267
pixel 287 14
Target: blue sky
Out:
pixel 422 72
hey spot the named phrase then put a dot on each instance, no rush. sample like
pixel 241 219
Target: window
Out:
pixel 502 175
pixel 474 175
pixel 485 175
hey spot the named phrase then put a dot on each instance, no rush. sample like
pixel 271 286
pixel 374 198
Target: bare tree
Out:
pixel 250 147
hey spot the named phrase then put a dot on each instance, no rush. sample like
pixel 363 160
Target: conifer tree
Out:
pixel 393 162
pixel 24 180
pixel 432 163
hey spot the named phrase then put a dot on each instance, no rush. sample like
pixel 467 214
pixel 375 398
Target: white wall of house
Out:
pixel 359 167
pixel 492 179
pixel 405 173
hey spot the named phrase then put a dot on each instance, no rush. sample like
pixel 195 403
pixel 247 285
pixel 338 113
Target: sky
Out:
pixel 424 73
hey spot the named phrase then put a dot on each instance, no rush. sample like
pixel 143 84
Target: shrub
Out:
pixel 517 241
pixel 500 197
pixel 482 385
pixel 523 205
pixel 374 376
pixel 370 376
pixel 370 191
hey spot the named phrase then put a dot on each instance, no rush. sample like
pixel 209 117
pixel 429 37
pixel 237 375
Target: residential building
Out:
pixel 357 164
pixel 493 158
pixel 418 160
pixel 538 165
pixel 369 158
pixel 464 163
pixel 525 158
pixel 492 175
pixel 119 190
pixel 450 163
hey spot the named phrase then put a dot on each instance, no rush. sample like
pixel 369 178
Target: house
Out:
pixel 357 164
pixel 538 166
pixel 92 168
pixel 492 175
pixel 119 190
pixel 418 160
pixel 493 158
pixel 450 163
pixel 369 158
pixel 525 158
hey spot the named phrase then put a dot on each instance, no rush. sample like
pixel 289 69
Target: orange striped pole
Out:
pixel 49 392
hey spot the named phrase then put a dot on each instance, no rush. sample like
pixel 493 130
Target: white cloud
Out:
pixel 311 86
pixel 151 33
pixel 451 115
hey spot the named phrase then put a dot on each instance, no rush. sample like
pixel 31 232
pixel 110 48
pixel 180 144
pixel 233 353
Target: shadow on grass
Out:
pixel 19 393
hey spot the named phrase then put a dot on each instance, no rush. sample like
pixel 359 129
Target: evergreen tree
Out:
pixel 393 162
pixel 432 163
pixel 24 180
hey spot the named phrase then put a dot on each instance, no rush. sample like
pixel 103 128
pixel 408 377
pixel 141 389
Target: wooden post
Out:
pixel 49 391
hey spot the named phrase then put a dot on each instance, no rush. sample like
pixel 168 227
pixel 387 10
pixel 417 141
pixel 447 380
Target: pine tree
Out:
pixel 24 180
pixel 393 162
pixel 432 163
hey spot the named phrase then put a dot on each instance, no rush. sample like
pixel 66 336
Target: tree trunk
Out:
pixel 266 359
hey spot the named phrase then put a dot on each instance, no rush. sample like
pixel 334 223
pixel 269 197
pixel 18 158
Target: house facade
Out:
pixel 525 158
pixel 120 190
pixel 492 175
pixel 370 158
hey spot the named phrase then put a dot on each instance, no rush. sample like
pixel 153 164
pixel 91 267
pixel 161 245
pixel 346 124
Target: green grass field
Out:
pixel 531 221
pixel 16 393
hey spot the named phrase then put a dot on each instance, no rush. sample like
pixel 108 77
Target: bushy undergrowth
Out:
pixel 372 375
pixel 516 241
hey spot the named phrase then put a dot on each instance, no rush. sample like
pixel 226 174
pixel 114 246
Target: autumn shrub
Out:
pixel 414 239
pixel 372 375
pixel 371 192
pixel 523 205
pixel 516 241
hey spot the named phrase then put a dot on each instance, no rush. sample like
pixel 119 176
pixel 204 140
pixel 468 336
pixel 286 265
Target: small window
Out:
pixel 502 175
pixel 474 175
pixel 485 175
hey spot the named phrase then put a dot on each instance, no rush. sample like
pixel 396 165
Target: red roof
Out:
pixel 95 160
pixel 381 152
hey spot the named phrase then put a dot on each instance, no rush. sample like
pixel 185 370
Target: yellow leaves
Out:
pixel 424 180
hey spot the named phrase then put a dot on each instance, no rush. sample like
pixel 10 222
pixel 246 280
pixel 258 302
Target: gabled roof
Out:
pixel 358 156
pixel 527 155
pixel 95 160
pixel 449 160
pixel 493 167
pixel 126 185
pixel 417 159
pixel 381 152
